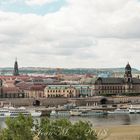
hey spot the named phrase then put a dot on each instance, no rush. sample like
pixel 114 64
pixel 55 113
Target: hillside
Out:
pixel 39 70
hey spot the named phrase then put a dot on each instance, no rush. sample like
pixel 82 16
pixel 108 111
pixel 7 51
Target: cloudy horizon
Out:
pixel 70 33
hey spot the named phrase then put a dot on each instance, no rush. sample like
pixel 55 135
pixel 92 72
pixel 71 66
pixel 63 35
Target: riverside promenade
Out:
pixel 29 101
pixel 87 101
pixel 119 132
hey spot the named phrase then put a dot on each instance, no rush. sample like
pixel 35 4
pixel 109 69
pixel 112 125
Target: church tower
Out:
pixel 16 72
pixel 128 79
pixel 128 74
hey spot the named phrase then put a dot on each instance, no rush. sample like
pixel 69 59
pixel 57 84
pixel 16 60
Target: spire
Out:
pixel 128 73
pixel 128 70
pixel 16 72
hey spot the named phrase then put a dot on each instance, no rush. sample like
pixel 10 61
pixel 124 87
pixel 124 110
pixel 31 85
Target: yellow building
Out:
pixel 60 91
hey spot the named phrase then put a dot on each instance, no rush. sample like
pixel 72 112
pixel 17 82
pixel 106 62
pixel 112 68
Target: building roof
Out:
pixel 135 81
pixel 37 87
pixel 110 80
pixel 88 80
pixel 113 80
pixel 24 85
pixel 67 86
pixel 11 90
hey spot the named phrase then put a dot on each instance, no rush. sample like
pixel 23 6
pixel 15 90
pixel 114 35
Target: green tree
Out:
pixel 82 131
pixel 19 128
pixel 24 128
pixel 63 129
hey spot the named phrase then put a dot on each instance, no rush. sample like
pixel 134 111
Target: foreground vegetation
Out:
pixel 24 128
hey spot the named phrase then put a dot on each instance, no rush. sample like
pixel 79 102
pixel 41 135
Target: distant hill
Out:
pixel 39 70
pixel 118 69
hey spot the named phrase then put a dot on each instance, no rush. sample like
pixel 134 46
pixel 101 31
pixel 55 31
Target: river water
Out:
pixel 102 120
pixel 111 119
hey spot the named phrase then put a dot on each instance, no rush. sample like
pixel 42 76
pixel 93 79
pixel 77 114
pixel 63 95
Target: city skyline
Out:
pixel 15 67
pixel 69 33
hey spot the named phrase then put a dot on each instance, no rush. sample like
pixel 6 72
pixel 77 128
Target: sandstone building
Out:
pixel 118 86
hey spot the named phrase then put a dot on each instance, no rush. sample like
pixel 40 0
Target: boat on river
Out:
pixel 59 113
pixel 75 112
pixel 86 112
pixel 93 113
pixel 14 112
pixel 134 109
pixel 119 111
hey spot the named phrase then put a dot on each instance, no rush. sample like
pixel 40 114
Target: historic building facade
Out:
pixel 68 91
pixel 60 91
pixel 34 91
pixel 118 86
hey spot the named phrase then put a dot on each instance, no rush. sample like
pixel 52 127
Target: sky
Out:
pixel 70 33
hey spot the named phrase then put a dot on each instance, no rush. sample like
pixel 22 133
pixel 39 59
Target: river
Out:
pixel 102 120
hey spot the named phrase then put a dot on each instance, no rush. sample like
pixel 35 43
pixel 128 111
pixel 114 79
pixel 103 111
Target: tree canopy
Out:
pixel 24 128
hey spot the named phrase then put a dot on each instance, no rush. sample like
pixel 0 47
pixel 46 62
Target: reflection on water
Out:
pixel 110 119
pixel 102 120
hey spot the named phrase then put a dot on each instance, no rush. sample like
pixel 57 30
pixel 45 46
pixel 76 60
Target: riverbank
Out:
pixel 121 132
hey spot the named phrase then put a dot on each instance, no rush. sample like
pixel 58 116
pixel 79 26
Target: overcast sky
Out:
pixel 70 33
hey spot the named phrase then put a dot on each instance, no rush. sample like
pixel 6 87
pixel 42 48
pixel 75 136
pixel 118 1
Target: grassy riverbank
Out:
pixel 122 132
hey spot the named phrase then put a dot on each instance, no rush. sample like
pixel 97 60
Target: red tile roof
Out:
pixel 11 90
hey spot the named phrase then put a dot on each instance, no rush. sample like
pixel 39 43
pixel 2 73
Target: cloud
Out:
pixel 38 2
pixel 83 33
pixel 7 1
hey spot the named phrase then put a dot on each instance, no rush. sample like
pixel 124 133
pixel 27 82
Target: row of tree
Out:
pixel 25 128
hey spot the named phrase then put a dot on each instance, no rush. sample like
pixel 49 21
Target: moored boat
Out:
pixel 92 113
pixel 4 113
pixel 134 109
pixel 75 112
pixel 59 113
pixel 138 111
pixel 119 111
pixel 14 112
pixel 35 113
